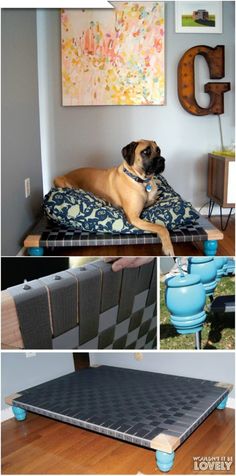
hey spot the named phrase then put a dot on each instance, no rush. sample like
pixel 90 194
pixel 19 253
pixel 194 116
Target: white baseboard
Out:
pixel 231 403
pixel 7 414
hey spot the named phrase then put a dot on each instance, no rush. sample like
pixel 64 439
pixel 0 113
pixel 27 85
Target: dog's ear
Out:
pixel 128 152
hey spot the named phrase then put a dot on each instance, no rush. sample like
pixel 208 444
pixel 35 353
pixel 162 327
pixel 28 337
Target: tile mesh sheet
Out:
pixel 131 405
pixel 89 308
pixel 52 235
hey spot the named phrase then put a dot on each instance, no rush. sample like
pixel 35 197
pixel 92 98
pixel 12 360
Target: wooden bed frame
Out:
pixel 157 411
pixel 48 235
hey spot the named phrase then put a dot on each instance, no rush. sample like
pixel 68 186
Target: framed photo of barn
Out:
pixel 198 17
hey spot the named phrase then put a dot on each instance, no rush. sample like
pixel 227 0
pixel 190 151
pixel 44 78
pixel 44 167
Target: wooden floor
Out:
pixel 40 445
pixel 225 248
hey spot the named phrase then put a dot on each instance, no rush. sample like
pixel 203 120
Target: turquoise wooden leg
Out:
pixel 223 404
pixel 20 413
pixel 36 251
pixel 164 460
pixel 210 247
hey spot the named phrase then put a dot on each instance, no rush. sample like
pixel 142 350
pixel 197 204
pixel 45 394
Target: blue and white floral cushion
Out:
pixel 83 211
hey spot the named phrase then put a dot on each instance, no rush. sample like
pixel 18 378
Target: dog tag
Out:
pixel 148 187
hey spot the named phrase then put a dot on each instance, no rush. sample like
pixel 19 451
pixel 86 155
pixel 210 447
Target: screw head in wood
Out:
pixel 26 287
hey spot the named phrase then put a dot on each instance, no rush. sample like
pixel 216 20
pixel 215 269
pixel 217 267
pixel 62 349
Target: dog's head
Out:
pixel 144 156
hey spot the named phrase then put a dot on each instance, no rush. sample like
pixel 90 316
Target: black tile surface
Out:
pixel 89 296
pixel 127 293
pixel 111 283
pixel 107 307
pixel 145 274
pixel 120 343
pixel 52 235
pixel 62 289
pixel 151 298
pixel 132 405
pixel 135 320
pixel 144 328
pixel 106 338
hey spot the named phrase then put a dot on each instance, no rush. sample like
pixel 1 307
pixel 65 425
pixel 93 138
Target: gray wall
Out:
pixel 21 156
pixel 19 372
pixel 210 366
pixel 80 136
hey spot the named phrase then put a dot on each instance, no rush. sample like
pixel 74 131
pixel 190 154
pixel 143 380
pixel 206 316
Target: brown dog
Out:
pixel 129 186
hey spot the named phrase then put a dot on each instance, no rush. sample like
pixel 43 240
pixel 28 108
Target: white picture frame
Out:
pixel 208 15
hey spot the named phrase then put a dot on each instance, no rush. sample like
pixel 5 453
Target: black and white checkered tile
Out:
pixel 127 404
pixel 52 235
pixel 138 331
pixel 89 308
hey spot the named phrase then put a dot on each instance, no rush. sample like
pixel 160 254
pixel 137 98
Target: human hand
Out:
pixel 128 262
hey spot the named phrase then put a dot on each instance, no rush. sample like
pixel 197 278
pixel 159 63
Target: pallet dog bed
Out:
pixel 83 308
pixel 47 234
pixel 153 410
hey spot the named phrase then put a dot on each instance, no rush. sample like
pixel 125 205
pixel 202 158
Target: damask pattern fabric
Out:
pixel 81 210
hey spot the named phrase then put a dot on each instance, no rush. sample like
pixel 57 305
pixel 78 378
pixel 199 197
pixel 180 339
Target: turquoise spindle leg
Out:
pixel 37 251
pixel 210 247
pixel 164 460
pixel 20 413
pixel 223 404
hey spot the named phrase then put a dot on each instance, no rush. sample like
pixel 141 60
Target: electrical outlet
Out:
pixel 138 356
pixel 27 187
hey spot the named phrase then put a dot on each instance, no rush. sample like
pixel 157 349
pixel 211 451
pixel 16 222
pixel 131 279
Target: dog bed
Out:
pixel 83 211
pixel 153 410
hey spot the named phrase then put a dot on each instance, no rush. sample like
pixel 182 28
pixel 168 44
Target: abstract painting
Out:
pixel 113 57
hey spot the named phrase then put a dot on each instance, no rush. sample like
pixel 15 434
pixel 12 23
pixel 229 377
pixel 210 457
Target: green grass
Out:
pixel 218 330
pixel 187 20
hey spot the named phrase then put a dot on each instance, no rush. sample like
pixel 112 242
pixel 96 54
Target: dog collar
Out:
pixel 148 187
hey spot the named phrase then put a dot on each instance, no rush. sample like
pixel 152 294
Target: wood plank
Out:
pixel 228 386
pixel 11 334
pixel 218 169
pixel 165 443
pixel 32 241
pixel 10 398
pixel 215 234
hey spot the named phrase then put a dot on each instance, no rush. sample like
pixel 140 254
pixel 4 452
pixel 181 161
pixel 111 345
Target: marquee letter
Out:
pixel 186 82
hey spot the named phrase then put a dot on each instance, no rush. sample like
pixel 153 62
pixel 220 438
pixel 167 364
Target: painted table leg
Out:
pixel 210 247
pixel 164 460
pixel 39 251
pixel 222 404
pixel 20 413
